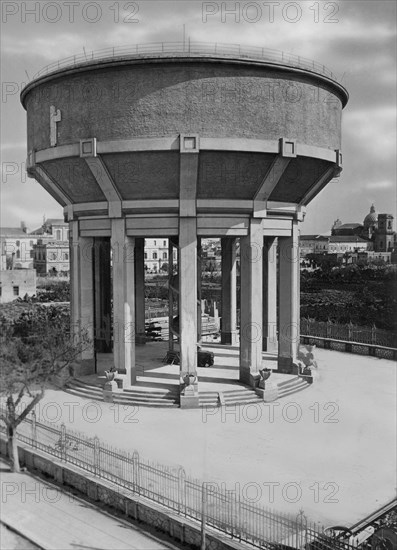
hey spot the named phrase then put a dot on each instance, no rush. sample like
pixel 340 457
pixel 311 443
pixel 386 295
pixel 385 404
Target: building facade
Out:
pixel 157 255
pixel 51 255
pixel 16 283
pixel 16 246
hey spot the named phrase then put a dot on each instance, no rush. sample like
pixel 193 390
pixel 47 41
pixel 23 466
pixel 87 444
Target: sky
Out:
pixel 355 39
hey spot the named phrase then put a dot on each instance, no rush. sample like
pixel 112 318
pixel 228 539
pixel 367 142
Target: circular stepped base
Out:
pixel 151 397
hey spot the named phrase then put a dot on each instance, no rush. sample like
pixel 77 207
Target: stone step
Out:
pixel 117 398
pixel 159 397
pixel 293 389
pixel 138 393
pixel 290 382
pixel 142 398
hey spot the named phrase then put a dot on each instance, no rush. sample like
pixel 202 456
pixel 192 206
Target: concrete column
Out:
pixel 123 301
pixel 289 302
pixel 140 337
pixel 251 249
pixel 102 285
pixel 188 311
pixel 75 293
pixel 229 306
pixel 82 296
pixel 199 317
pixel 170 294
pixel 270 342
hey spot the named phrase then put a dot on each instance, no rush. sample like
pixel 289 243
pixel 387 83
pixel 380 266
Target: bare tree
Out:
pixel 28 365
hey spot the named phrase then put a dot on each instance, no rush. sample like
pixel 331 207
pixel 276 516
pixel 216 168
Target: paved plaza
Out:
pixel 330 449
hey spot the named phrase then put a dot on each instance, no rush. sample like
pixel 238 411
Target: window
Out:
pixel 154 255
pixel 58 235
pixel 18 243
pixel 164 243
pixel 164 255
pixel 66 257
pixel 145 255
pixel 154 242
pixel 15 290
pixel 0 290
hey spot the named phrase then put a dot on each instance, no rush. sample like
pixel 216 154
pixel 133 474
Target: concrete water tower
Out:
pixel 183 142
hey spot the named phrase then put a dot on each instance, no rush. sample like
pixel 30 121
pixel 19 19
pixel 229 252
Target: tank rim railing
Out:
pixel 187 48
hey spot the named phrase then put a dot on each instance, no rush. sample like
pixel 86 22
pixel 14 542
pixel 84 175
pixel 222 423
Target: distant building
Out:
pixel 377 229
pixel 51 257
pixel 342 244
pixel 313 244
pixel 156 255
pixel 16 247
pixel 51 252
pixel 16 283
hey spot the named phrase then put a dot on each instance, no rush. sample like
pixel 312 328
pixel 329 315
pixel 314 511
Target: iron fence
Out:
pixel 187 48
pixel 209 503
pixel 349 333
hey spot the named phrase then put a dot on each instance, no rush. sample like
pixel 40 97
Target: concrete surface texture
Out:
pixel 55 520
pixel 330 450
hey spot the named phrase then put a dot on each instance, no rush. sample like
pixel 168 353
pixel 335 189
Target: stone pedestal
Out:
pixel 109 388
pixel 269 393
pixel 189 396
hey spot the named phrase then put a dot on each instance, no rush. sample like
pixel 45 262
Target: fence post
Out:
pixel 135 464
pixel 181 491
pixel 301 525
pixel 328 329
pixel 63 442
pixel 204 500
pixel 97 469
pixel 34 430
pixel 373 335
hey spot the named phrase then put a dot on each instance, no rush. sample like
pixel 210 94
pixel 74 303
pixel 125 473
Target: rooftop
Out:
pixel 13 232
pixel 347 239
pixel 313 238
pixel 187 49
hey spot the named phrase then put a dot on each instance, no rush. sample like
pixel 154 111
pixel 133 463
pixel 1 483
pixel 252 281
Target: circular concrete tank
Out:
pixel 137 107
pixel 186 142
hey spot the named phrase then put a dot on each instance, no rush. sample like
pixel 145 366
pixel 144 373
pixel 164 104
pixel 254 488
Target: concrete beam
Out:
pixel 321 182
pixel 268 184
pixel 188 174
pixel 50 185
pixel 106 184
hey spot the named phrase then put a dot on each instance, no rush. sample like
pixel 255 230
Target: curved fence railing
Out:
pixel 188 48
pixel 226 511
pixel 349 333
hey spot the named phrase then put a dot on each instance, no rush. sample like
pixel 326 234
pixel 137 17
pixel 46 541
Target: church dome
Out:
pixel 371 218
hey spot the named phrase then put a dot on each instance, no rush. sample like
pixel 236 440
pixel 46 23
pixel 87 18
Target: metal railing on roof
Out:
pixel 190 49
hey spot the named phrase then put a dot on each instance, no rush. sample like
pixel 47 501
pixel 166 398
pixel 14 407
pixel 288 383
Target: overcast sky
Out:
pixel 355 39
